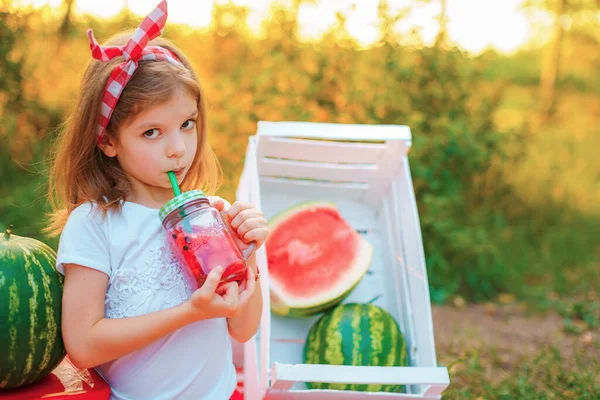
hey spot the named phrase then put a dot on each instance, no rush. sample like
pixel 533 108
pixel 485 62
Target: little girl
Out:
pixel 128 309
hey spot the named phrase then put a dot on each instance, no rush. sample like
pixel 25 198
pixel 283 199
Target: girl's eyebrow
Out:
pixel 193 114
pixel 149 125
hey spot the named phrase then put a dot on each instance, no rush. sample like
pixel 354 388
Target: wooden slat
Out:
pixel 314 394
pixel 323 151
pixel 318 190
pixel 334 131
pixel 317 171
pixel 409 229
pixel 284 376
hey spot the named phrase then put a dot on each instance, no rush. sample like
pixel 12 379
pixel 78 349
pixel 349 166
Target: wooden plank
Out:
pixel 410 235
pixel 283 376
pixel 318 190
pixel 340 395
pixel 323 151
pixel 336 131
pixel 355 173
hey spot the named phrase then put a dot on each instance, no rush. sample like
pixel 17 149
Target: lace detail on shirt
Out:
pixel 158 283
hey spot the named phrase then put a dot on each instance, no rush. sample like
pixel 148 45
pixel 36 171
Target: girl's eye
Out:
pixel 189 124
pixel 151 133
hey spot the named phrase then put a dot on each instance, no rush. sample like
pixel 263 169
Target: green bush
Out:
pixel 482 236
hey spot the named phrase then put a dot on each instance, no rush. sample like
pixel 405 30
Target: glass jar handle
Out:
pixel 251 247
pixel 248 252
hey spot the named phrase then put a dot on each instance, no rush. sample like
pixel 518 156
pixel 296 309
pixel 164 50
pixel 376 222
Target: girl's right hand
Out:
pixel 208 302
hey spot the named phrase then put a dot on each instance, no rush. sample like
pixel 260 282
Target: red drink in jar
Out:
pixel 200 238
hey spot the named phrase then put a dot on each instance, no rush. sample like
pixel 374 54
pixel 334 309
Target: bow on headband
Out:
pixel 133 51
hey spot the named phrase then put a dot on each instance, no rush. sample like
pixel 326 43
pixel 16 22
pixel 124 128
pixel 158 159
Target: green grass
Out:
pixel 474 376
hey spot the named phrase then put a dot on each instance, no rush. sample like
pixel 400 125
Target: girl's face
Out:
pixel 159 139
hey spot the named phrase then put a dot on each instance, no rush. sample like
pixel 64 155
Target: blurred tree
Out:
pixel 479 238
pixel 442 35
pixel 24 122
pixel 550 68
pixel 569 16
pixel 11 27
pixel 24 118
pixel 66 25
pixel 128 19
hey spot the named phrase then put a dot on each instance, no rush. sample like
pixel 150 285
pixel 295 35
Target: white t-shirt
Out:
pixel 194 362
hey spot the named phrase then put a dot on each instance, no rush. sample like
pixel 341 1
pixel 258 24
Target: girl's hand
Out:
pixel 219 203
pixel 245 290
pixel 246 220
pixel 208 302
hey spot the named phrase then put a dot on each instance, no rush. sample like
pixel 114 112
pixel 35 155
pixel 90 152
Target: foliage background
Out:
pixel 508 193
pixel 504 156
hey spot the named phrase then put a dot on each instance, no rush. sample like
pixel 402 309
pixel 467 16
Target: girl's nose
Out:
pixel 177 146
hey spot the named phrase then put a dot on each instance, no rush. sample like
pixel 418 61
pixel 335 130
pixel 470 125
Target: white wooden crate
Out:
pixel 364 169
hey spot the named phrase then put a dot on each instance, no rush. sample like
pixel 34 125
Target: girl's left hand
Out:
pixel 245 290
pixel 246 220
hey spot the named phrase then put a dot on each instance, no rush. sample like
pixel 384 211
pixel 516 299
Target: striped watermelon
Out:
pixel 31 344
pixel 315 259
pixel 356 334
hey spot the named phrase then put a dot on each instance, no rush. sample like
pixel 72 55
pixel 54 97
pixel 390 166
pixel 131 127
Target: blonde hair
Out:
pixel 80 172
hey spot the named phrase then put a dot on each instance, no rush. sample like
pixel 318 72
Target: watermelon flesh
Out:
pixel 315 259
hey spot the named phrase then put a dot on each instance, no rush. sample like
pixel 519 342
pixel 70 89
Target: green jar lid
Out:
pixel 179 201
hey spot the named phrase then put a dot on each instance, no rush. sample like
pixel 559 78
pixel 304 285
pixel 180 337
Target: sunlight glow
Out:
pixel 37 3
pixel 105 9
pixel 475 25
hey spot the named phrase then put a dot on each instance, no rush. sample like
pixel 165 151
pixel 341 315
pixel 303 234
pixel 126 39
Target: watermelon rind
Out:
pixel 357 334
pixel 286 306
pixel 31 343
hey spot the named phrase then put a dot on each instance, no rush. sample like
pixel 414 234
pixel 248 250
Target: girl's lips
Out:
pixel 179 172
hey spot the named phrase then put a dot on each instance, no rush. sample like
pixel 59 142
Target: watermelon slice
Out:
pixel 315 259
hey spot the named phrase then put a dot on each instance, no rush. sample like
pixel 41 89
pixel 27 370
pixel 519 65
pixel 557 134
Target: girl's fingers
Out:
pixel 249 224
pixel 230 300
pixel 242 285
pixel 244 215
pixel 250 287
pixel 257 235
pixel 218 204
pixel 231 290
pixel 209 287
pixel 237 207
pixel 221 290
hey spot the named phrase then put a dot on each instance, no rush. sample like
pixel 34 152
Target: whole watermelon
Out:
pixel 31 344
pixel 356 334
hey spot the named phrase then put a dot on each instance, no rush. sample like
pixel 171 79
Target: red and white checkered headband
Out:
pixel 135 50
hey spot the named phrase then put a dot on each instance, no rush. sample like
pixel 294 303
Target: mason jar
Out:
pixel 201 239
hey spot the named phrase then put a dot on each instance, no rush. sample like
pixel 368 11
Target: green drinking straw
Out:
pixel 174 184
pixel 177 192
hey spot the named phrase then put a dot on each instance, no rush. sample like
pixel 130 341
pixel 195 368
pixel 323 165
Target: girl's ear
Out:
pixel 108 146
